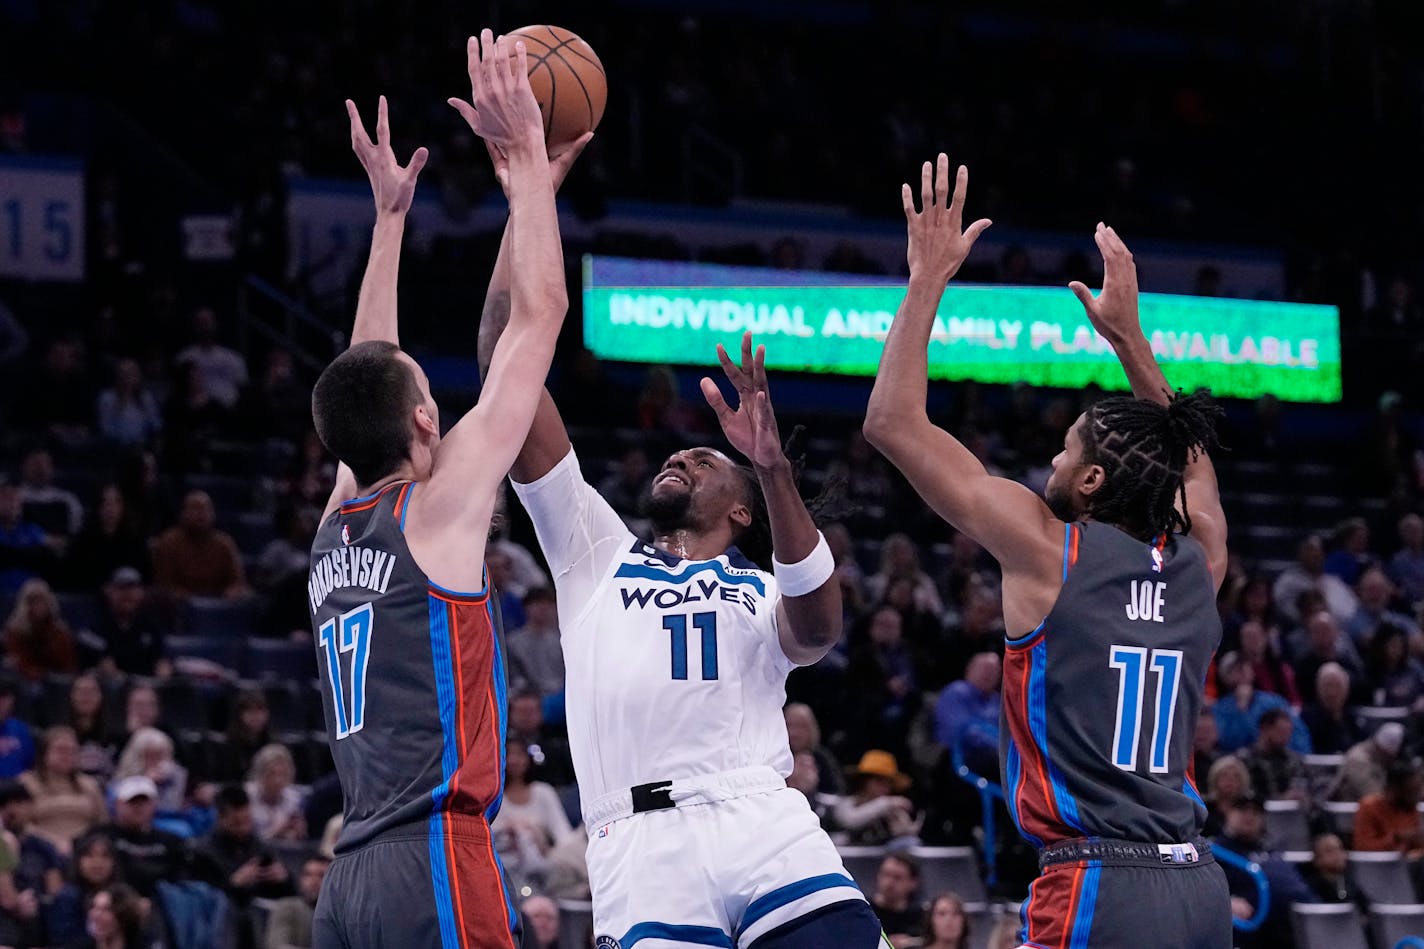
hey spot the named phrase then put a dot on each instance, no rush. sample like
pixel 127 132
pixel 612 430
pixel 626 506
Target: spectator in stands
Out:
pixel 848 572
pixel 900 559
pixel 1270 673
pixel 313 473
pixel 805 777
pixel 108 542
pixel 548 751
pixel 897 883
pixel 97 747
pixel 142 709
pixel 534 649
pixel 499 572
pixel 1376 594
pixel 114 920
pixel 967 715
pixel 149 754
pixel 279 404
pixel 541 918
pixel 1249 599
pixel 290 924
pixel 249 730
pixel 882 676
pixel 1363 771
pixel 662 409
pixel 130 637
pixel 1406 567
pixel 38 641
pixel 946 924
pixel 60 399
pixel 25 551
pixel 1351 556
pixel 876 813
pixel 68 803
pixel 804 734
pixel 969 569
pixel 1240 705
pixel 1277 771
pixel 17 745
pixel 628 484
pixel 150 499
pixel 127 411
pixel 1226 782
pixel 1325 643
pixel 40 867
pixel 1205 749
pixel 194 558
pixel 1328 873
pixel 1390 819
pixel 276 801
pixel 1396 678
pixel 223 371
pixel 93 868
pixel 1244 834
pixel 145 855
pixel 235 861
pixel 531 821
pixel 867 481
pixel 56 510
pixel 1308 573
pixel 1333 730
pixel 288 553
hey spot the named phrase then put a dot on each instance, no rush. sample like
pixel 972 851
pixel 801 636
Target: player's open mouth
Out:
pixel 673 476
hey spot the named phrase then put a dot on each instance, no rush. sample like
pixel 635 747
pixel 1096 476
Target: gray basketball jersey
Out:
pixel 1100 702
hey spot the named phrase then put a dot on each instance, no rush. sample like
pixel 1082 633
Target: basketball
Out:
pixel 568 81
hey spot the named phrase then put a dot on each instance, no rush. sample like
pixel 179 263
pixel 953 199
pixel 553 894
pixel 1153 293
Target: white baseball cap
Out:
pixel 135 785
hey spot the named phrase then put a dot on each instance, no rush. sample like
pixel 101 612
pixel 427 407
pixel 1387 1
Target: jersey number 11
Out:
pixel 706 623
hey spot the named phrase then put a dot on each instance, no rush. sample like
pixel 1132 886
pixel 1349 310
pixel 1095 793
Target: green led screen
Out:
pixel 660 312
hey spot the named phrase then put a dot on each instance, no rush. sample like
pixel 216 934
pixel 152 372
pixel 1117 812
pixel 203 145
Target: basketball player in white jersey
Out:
pixel 677 654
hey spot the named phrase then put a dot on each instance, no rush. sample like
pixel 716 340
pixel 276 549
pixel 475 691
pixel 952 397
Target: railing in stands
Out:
pixel 1258 877
pixel 989 792
pixel 283 321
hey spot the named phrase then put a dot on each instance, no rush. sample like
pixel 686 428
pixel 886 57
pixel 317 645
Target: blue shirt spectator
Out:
pixel 22 541
pixel 1406 567
pixel 1241 704
pixel 17 745
pixel 969 710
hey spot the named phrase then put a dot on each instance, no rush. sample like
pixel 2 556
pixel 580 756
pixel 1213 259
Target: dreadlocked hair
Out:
pixel 832 503
pixel 1143 448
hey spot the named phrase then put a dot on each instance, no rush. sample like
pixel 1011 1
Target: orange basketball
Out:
pixel 568 81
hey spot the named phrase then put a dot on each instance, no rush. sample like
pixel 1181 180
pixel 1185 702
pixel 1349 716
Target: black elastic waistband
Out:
pixel 1127 853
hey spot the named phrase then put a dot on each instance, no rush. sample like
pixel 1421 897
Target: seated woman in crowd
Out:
pixel 1227 782
pixel 946 923
pixel 114 920
pixel 1270 671
pixel 248 732
pixel 68 803
pixel 37 639
pixel 92 870
pixel 1396 678
pixel 531 821
pixel 150 753
pixel 875 813
pixel 97 746
pixel 276 801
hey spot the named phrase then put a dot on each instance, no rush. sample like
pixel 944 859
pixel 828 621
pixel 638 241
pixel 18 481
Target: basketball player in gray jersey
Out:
pixel 1109 600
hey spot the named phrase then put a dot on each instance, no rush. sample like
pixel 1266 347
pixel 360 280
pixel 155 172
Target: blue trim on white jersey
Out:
pixel 696 935
pixel 691 568
pixel 790 893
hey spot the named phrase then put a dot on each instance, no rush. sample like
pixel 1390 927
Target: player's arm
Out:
pixel 548 440
pixel 808 612
pixel 478 451
pixel 393 188
pixel 1113 313
pixel 1006 518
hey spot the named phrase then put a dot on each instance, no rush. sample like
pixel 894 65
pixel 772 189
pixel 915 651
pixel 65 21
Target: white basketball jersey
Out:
pixel 673 666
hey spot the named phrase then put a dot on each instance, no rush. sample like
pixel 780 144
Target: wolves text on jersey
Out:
pixel 349 567
pixel 698 590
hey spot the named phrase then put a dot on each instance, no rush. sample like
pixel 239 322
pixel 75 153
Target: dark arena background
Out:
pixel 183 228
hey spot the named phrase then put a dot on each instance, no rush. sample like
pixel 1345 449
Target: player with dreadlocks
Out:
pixel 1109 599
pixel 677 652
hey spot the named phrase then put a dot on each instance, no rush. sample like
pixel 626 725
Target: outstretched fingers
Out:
pixel 942 184
pixel 733 372
pixel 359 139
pixel 961 188
pixel 383 123
pixel 926 187
pixel 713 395
pixel 417 161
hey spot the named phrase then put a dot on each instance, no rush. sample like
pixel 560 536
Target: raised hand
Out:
pixel 751 427
pixel 502 109
pixel 1113 312
pixel 560 162
pixel 392 185
pixel 938 246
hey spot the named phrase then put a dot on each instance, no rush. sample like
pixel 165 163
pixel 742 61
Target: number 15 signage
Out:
pixel 41 218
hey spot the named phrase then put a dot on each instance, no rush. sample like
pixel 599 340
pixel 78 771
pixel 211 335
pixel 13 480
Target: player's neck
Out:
pixel 405 472
pixel 692 544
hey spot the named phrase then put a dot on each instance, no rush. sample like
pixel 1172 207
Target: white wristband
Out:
pixel 806 576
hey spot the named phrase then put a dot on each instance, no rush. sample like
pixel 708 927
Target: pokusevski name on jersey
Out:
pixel 349 567
pixel 698 582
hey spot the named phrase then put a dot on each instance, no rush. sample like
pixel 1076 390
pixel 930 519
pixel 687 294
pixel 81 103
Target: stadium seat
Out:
pixel 980 919
pixel 227 651
pixel 950 868
pixel 284 659
pixel 284 703
pixel 52 704
pixel 575 923
pixel 1342 817
pixel 251 531
pixel 80 610
pixel 210 616
pixel 1286 826
pixel 1327 926
pixel 1321 771
pixel 1370 718
pixel 1382 877
pixel 228 493
pixel 293 853
pixel 862 863
pixel 182 706
pixel 1391 923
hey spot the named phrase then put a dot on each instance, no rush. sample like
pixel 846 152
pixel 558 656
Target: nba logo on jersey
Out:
pixel 606 942
pixel 346 533
pixel 603 831
pixel 1156 559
